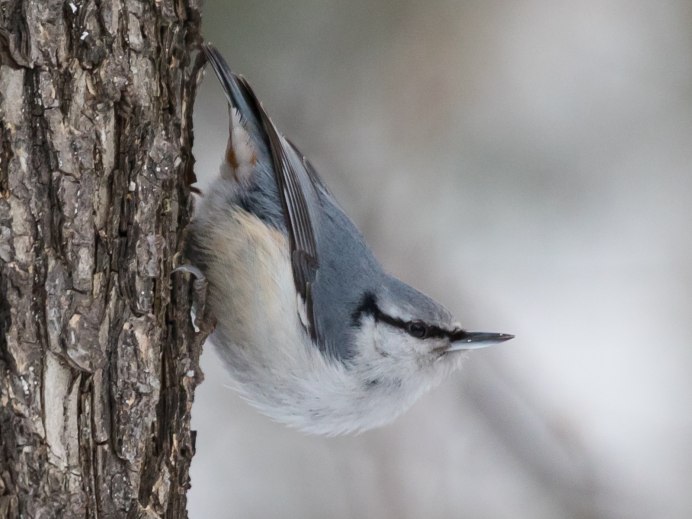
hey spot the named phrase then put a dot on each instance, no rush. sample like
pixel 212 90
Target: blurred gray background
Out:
pixel 527 164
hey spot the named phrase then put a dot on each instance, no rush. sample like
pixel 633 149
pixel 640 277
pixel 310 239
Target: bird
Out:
pixel 314 333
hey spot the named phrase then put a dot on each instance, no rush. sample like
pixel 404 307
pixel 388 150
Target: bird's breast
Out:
pixel 251 282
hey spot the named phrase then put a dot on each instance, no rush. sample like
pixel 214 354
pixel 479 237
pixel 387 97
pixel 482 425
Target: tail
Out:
pixel 247 139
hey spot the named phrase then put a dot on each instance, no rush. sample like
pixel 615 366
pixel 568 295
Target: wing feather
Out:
pixel 295 178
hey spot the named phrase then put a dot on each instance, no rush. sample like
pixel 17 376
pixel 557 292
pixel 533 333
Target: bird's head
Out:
pixel 408 338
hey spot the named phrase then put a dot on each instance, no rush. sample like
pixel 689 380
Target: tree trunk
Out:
pixel 98 351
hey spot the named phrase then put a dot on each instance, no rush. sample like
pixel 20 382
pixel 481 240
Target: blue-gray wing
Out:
pixel 295 178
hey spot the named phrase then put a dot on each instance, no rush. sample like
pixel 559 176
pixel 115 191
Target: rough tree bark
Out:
pixel 98 351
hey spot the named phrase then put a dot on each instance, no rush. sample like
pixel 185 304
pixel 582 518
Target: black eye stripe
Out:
pixel 369 306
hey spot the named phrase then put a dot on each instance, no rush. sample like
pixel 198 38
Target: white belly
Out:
pixel 269 355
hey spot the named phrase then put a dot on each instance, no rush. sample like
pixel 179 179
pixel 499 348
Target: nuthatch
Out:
pixel 314 333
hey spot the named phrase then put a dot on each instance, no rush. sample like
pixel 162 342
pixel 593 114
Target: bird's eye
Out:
pixel 417 329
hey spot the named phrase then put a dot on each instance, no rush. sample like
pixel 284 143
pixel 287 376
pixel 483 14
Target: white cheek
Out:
pixel 398 344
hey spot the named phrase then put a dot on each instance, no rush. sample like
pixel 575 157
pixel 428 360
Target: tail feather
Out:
pixel 247 141
pixel 237 90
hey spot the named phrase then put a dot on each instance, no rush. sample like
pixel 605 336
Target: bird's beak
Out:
pixel 463 340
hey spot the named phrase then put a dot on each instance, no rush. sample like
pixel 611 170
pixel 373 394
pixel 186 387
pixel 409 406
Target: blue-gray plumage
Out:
pixel 342 347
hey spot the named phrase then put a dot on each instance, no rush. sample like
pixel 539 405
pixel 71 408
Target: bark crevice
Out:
pixel 98 351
